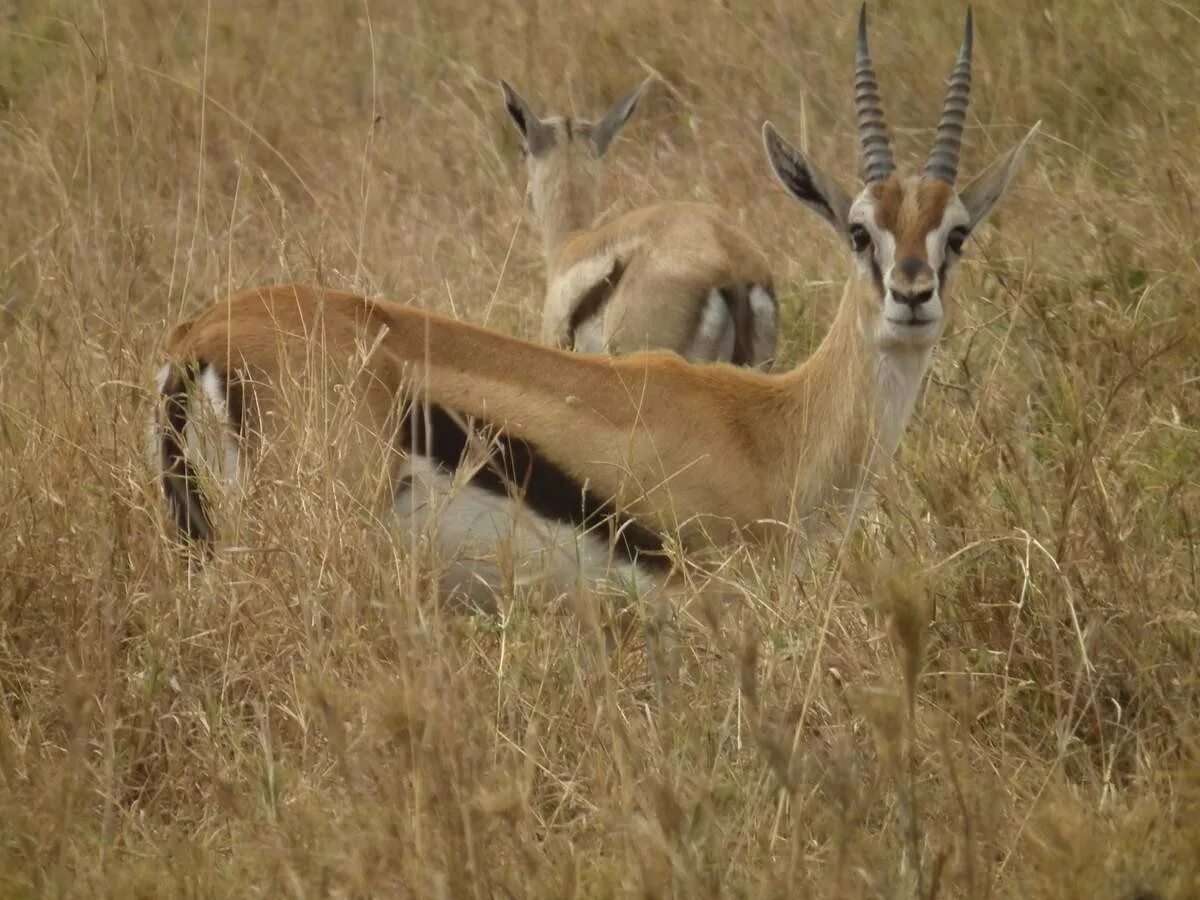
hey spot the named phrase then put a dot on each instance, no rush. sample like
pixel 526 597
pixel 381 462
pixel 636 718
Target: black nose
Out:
pixel 912 267
pixel 913 300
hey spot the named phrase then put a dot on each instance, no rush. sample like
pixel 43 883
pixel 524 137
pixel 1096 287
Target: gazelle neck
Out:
pixel 849 404
pixel 566 200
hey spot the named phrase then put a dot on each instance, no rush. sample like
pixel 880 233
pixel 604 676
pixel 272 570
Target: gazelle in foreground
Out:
pixel 593 464
pixel 672 276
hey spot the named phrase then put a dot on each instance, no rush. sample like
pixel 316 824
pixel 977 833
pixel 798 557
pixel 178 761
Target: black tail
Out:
pixel 179 482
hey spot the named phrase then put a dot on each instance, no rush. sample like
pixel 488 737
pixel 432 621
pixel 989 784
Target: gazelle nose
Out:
pixel 913 268
pixel 915 299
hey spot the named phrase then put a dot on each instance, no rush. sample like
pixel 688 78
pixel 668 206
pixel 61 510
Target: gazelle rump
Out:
pixel 672 276
pixel 594 464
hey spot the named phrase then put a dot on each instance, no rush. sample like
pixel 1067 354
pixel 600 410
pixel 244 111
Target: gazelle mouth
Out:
pixel 911 323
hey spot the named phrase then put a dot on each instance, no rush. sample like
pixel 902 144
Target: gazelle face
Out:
pixel 907 237
pixel 906 234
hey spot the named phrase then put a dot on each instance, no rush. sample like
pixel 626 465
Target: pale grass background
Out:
pixel 303 720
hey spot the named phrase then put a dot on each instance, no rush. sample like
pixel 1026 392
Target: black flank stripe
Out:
pixel 516 467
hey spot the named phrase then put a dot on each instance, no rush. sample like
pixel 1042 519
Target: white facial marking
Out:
pixel 862 212
pixel 900 324
pixel 935 242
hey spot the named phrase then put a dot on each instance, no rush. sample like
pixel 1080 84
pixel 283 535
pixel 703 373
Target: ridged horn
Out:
pixel 943 158
pixel 877 162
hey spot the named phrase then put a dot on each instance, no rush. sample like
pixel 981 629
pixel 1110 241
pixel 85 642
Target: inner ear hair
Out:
pixel 518 109
pixel 989 185
pixel 536 135
pixel 805 181
pixel 604 130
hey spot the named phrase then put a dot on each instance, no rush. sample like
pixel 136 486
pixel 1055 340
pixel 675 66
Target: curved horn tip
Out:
pixel 968 35
pixel 862 30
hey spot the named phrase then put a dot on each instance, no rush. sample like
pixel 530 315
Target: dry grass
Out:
pixel 302 720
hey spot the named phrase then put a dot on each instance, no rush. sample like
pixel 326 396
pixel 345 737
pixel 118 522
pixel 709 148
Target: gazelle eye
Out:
pixel 860 238
pixel 956 239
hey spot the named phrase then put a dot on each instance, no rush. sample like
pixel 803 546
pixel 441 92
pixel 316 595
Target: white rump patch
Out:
pixel 713 341
pixel 208 439
pixel 210 431
pixel 764 314
pixel 589 335
pixel 567 288
pixel 487 544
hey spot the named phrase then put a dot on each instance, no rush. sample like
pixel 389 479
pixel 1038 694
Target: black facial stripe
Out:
pixel 594 299
pixel 877 275
pixel 517 468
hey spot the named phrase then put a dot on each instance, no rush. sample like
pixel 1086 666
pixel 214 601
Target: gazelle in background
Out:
pixel 672 276
pixel 595 465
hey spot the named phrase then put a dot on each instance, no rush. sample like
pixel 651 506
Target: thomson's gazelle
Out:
pixel 673 276
pixel 571 457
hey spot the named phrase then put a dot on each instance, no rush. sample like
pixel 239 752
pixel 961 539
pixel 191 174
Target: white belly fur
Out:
pixel 489 544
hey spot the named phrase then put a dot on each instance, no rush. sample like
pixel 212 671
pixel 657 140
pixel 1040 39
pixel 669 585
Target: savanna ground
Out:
pixel 304 719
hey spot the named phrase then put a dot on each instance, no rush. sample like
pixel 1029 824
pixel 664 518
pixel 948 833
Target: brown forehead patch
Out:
pixel 910 211
pixel 889 199
pixel 932 197
pixel 564 131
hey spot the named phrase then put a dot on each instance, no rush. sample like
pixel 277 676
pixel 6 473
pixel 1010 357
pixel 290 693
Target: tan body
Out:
pixel 487 440
pixel 673 276
pixel 685 280
pixel 768 447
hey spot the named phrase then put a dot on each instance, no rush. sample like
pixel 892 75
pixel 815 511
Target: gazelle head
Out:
pixel 906 234
pixel 562 156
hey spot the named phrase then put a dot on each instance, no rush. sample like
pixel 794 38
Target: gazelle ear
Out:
pixel 536 135
pixel 989 185
pixel 606 129
pixel 806 182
